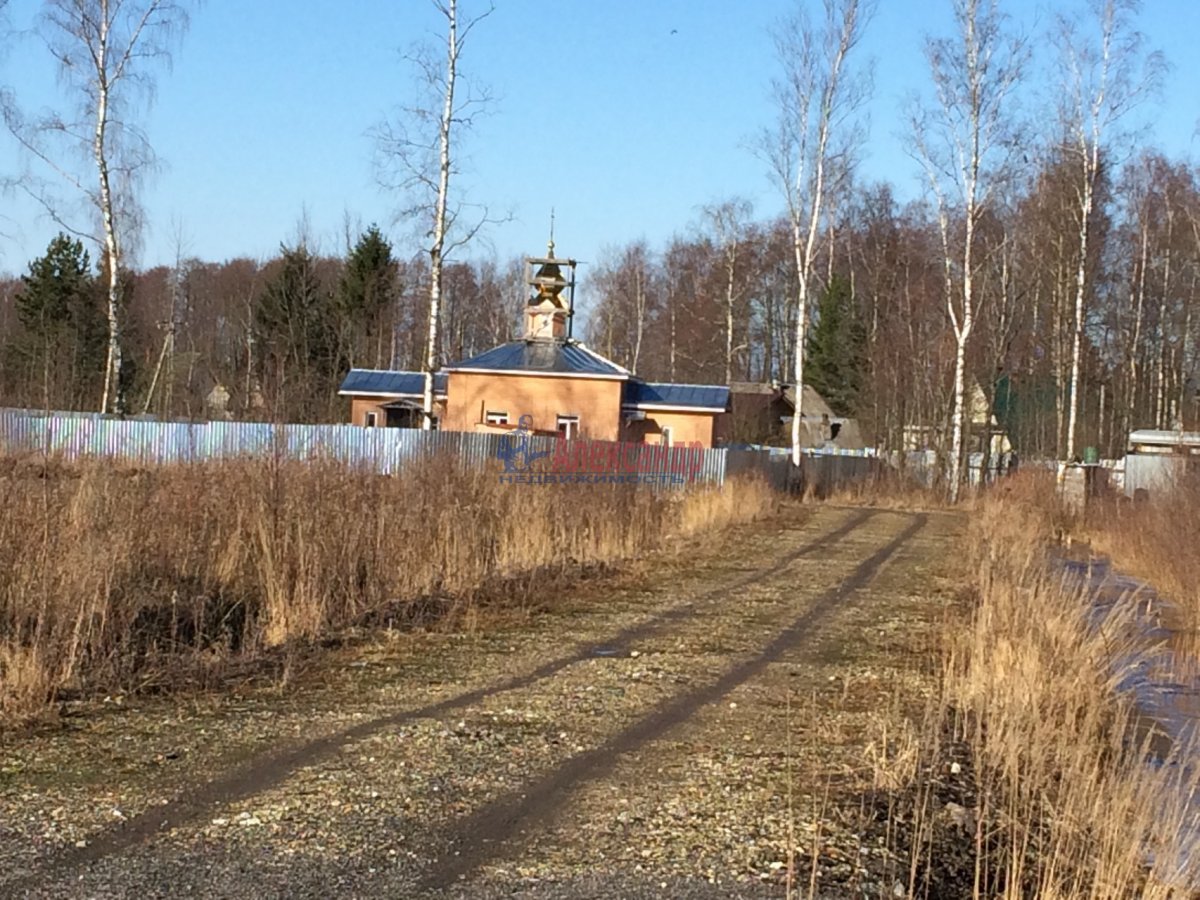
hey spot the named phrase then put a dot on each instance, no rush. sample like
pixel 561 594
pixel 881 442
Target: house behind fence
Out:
pixel 78 436
pixel 74 436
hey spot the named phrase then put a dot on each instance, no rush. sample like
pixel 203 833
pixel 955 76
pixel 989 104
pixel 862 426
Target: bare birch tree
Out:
pixel 813 140
pixel 1106 76
pixel 417 154
pixel 965 143
pixel 106 51
pixel 729 223
pixel 624 284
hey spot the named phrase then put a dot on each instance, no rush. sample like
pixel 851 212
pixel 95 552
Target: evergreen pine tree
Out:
pixel 366 291
pixel 59 309
pixel 836 356
pixel 294 327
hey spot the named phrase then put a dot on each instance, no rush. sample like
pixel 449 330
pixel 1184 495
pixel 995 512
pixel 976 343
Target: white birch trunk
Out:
pixel 804 257
pixel 1101 98
pixel 439 221
pixel 1134 348
pixel 639 300
pixel 1185 338
pixel 1162 414
pixel 729 274
pixel 1077 332
pixel 671 352
pixel 1058 351
pixel 818 102
pixel 799 339
pixel 1100 418
pixel 962 336
pixel 970 155
pixel 112 245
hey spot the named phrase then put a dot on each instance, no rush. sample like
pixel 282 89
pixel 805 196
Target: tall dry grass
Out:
pixel 116 579
pixel 1158 541
pixel 1063 803
pixel 890 489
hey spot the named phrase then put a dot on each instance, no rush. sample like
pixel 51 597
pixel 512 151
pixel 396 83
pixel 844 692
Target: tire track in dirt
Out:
pixel 503 825
pixel 270 770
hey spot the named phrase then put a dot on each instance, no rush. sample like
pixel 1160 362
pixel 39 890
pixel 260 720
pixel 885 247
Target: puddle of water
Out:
pixel 606 651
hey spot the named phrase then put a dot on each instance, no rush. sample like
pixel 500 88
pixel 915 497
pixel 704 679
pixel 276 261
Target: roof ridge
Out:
pixel 390 371
pixel 551 358
pixel 698 384
pixel 586 349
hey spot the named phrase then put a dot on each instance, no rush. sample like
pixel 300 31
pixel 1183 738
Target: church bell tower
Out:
pixel 551 302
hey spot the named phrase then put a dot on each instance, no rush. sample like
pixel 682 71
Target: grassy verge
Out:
pixel 1033 780
pixel 114 579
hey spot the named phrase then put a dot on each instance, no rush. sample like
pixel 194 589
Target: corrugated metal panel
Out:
pixel 541 356
pixel 703 396
pixel 387 381
pixel 583 359
pixel 19 433
pixel 928 467
pixel 1157 473
pixel 388 450
pixel 828 473
pixel 384 450
pixel 774 467
pixel 821 470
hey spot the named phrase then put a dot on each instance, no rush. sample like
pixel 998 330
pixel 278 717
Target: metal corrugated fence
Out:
pixel 1158 473
pixel 822 469
pixel 74 436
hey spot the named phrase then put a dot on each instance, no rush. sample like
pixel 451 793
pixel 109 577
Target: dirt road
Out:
pixel 682 731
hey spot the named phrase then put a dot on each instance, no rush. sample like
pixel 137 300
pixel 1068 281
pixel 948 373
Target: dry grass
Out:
pixel 1062 802
pixel 708 509
pixel 1158 542
pixel 890 489
pixel 122 579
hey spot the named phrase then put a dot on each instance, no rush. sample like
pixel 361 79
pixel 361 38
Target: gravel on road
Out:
pixel 693 726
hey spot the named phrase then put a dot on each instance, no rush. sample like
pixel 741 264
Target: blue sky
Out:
pixel 624 116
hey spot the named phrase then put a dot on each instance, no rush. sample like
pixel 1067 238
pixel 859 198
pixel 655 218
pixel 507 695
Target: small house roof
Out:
pixel 814 404
pixel 649 395
pixel 389 383
pixel 818 420
pixel 1142 440
pixel 561 358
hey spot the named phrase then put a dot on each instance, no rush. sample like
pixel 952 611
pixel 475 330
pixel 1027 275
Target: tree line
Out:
pixel 880 345
pixel 1049 266
pixel 276 336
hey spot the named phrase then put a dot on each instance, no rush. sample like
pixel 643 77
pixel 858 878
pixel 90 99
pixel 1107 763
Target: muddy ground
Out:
pixel 684 728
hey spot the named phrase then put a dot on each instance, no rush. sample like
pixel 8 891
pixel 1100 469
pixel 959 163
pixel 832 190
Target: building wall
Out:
pixel 754 417
pixel 686 428
pixel 360 406
pixel 597 402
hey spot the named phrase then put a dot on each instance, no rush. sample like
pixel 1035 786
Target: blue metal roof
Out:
pixel 694 396
pixel 539 356
pixel 383 381
pixel 551 357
